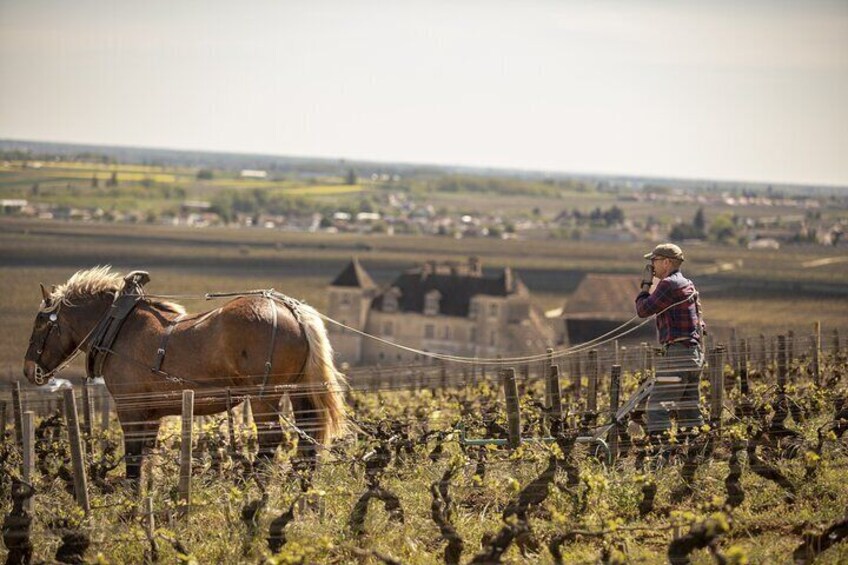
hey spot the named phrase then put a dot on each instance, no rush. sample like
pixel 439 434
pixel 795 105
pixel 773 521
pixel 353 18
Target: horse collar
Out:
pixel 107 331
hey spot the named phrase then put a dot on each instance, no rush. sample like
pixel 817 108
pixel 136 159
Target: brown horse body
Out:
pixel 224 351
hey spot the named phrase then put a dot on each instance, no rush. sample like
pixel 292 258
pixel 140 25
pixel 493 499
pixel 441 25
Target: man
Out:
pixel 676 306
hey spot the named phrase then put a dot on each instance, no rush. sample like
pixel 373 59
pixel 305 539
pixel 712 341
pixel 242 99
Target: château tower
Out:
pixel 350 296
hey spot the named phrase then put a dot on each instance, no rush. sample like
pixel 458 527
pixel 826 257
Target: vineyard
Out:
pixel 542 462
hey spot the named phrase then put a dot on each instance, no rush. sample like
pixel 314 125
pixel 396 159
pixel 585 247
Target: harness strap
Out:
pixel 163 344
pixel 105 337
pixel 268 363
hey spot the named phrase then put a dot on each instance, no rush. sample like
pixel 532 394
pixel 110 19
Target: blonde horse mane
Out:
pixel 90 282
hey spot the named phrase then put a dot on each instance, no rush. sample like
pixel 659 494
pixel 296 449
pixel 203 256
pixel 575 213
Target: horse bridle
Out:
pixel 52 321
pixel 39 372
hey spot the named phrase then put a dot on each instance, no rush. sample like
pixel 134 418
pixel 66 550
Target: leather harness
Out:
pixel 163 344
pixel 125 301
pixel 110 325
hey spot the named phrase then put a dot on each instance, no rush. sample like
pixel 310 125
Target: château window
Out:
pixel 431 302
pixel 390 300
pixel 472 310
pixel 446 333
pixel 429 331
pixel 493 310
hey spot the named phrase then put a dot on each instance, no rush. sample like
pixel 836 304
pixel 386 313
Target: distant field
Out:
pixel 189 261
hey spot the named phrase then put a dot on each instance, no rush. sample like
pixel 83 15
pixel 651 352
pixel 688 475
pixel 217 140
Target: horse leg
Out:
pixel 308 423
pixel 305 463
pixel 140 431
pixel 266 416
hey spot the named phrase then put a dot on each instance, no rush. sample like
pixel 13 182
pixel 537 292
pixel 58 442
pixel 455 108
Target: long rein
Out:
pixel 608 337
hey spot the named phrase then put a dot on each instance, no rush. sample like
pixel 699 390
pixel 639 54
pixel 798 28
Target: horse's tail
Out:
pixel 325 384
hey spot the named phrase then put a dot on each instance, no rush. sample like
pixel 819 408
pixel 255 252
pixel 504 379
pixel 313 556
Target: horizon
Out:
pixel 720 92
pixel 506 170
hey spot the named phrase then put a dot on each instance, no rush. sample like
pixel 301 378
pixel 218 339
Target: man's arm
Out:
pixel 650 304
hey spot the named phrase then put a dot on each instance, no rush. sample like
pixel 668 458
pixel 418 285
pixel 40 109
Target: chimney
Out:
pixel 428 268
pixel 475 268
pixel 508 281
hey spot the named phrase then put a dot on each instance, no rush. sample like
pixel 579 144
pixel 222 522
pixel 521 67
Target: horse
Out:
pixel 261 344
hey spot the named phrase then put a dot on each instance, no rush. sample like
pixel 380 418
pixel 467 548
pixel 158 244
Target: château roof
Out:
pixel 456 284
pixel 603 297
pixel 354 275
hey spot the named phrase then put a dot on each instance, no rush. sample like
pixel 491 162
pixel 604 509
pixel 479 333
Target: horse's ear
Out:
pixel 44 294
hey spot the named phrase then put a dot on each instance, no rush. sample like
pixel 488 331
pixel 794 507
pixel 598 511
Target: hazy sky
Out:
pixel 715 89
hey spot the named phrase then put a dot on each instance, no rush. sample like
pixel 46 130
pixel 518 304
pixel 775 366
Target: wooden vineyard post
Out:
pixel 2 417
pixel 246 413
pixel 816 339
pixel 87 429
pixel 149 518
pixel 443 376
pixel 184 495
pixel 790 348
pixel 548 391
pixel 644 360
pixel 231 428
pixel 733 351
pixel 773 352
pixel 617 358
pixel 592 375
pixel 717 387
pixel 556 397
pixel 17 413
pixel 28 460
pixel 77 454
pixel 744 365
pixel 781 363
pixel 513 413
pixel 762 361
pixel 615 394
pixel 576 378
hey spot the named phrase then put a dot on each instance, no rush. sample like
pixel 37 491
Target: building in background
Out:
pixel 600 304
pixel 450 307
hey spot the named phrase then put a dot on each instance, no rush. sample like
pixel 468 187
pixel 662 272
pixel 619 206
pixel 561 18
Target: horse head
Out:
pixel 51 342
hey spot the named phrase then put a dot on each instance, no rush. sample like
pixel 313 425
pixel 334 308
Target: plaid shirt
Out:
pixel 677 323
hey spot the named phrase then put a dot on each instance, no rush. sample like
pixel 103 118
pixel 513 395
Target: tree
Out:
pixel 94 181
pixel 722 229
pixel 113 180
pixel 614 216
pixel 351 179
pixel 684 231
pixel 699 222
pixel 205 174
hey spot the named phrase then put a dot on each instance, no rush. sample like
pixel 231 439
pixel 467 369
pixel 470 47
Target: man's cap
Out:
pixel 667 250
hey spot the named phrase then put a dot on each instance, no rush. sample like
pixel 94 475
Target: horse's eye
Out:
pixel 53 317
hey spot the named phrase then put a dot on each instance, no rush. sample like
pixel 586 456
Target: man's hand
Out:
pixel 647 278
